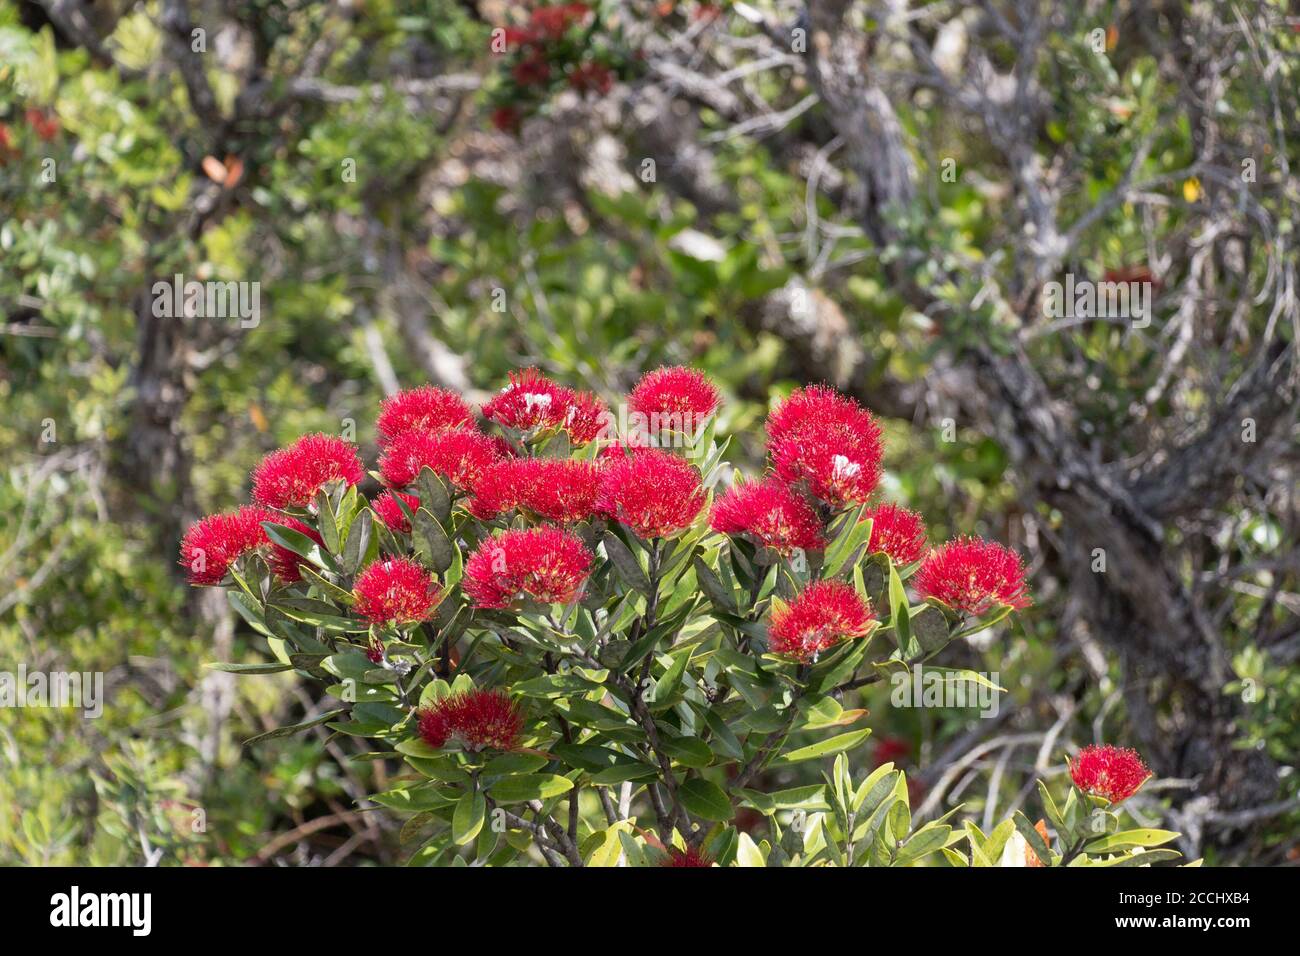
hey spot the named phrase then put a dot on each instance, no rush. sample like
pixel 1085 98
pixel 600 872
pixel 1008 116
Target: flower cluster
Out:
pixel 973 576
pixel 653 492
pixel 554 489
pixel 478 719
pixel 822 615
pixel 214 543
pixel 545 564
pixel 826 443
pixel 291 477
pixel 460 456
pixel 388 510
pixel 770 514
pixel 897 532
pixel 424 409
pixel 675 392
pixel 1114 773
pixel 396 591
pixel 533 403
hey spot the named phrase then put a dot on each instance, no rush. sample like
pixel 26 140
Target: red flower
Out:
pixel 554 21
pixel 973 576
pixel 591 78
pixel 545 564
pixel 531 70
pixel 477 718
pixel 518 36
pixel 213 544
pixel 552 488
pixel 424 409
pixel 771 514
pixel 822 615
pixel 652 492
pixel 691 856
pixel 375 650
pixel 587 418
pixel 507 119
pixel 391 513
pixel 1111 772
pixel 457 454
pixel 290 477
pixel 396 590
pixel 285 563
pixel 889 749
pixel 897 532
pixel 819 405
pixel 531 400
pixel 678 395
pixel 44 125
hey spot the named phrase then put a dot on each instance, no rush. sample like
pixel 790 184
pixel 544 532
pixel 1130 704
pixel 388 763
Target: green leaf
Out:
pixel 899 612
pixel 292 729
pixel 251 668
pixel 824 748
pixel 687 751
pixel 705 799
pixel 1033 838
pixel 533 786
pixel 433 494
pixel 1127 839
pixel 431 542
pixel 467 820
pixel 357 545
pixel 625 562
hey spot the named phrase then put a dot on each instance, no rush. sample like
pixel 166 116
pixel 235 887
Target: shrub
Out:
pixel 587 651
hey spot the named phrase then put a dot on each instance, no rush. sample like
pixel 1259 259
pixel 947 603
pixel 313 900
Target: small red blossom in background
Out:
pixel 653 492
pixel 890 749
pixel 531 400
pixel 395 591
pixel 507 119
pixel 545 564
pixel 591 78
pixel 1115 773
pixel 478 719
pixel 391 513
pixel 822 615
pixel 426 409
pixel 213 544
pixel 43 124
pixel 769 513
pixel 897 532
pixel 552 22
pixel 290 477
pixel 458 455
pixel 691 856
pixel 531 70
pixel 972 575
pixel 675 391
pixel 284 563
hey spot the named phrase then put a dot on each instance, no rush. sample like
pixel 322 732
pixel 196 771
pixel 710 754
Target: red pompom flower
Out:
pixel 973 576
pixel 556 489
pixel 531 400
pixel 769 513
pixel 822 615
pixel 478 719
pixel 587 418
pixel 213 544
pixel 290 477
pixel 1115 773
pixel 674 394
pixel 835 465
pixel 546 564
pixel 425 408
pixel 653 492
pixel 458 455
pixel 391 513
pixel 819 405
pixel 691 856
pixel 396 591
pixel 898 532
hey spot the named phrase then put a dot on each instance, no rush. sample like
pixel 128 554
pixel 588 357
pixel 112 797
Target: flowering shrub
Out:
pixel 586 650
